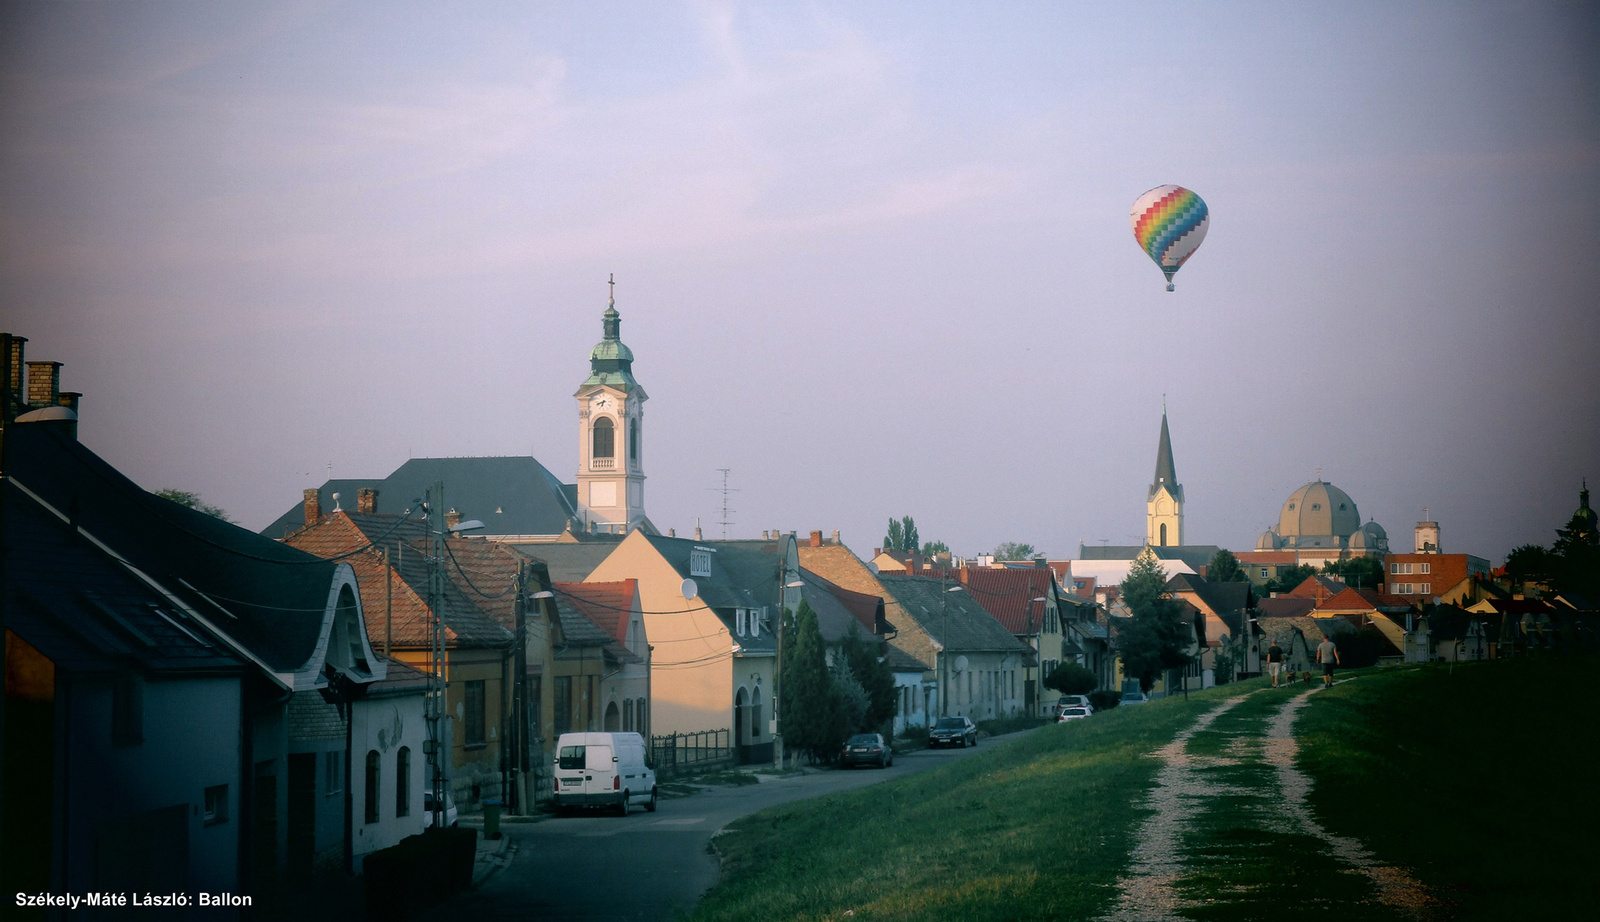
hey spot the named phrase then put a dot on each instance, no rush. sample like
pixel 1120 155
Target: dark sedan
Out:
pixel 953 731
pixel 866 749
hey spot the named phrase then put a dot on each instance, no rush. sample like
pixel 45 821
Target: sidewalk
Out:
pixel 494 854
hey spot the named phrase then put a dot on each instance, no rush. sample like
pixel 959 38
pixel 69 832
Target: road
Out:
pixel 647 866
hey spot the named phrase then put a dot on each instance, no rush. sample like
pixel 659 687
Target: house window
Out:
pixel 605 438
pixel 1425 588
pixel 1426 568
pixel 563 703
pixel 755 714
pixel 700 561
pixel 373 778
pixel 402 782
pixel 1263 572
pixel 216 805
pixel 332 773
pixel 739 615
pixel 473 694
pixel 1163 534
pixel 755 622
pixel 627 714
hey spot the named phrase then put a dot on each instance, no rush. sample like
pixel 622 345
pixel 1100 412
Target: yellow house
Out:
pixel 710 609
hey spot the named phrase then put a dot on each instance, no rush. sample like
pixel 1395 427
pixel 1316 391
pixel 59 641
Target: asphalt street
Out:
pixel 645 866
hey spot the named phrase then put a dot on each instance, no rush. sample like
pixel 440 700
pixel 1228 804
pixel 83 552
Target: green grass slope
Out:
pixel 1483 778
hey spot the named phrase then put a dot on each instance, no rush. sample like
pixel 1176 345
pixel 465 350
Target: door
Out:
pixel 302 810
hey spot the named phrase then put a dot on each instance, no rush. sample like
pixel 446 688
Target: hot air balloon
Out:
pixel 1169 222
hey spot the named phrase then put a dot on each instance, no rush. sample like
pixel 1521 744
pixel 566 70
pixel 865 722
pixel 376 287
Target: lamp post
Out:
pixel 519 704
pixel 777 668
pixel 1038 656
pixel 944 644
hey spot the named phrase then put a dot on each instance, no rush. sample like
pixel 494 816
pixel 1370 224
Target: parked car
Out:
pixel 451 815
pixel 1132 697
pixel 866 749
pixel 604 770
pixel 1074 713
pixel 953 731
pixel 1073 701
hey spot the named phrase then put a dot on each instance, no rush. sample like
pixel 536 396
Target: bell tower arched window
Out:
pixel 605 438
pixel 633 440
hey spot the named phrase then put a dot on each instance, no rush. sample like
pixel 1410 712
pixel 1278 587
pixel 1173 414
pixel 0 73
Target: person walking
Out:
pixel 1275 662
pixel 1328 656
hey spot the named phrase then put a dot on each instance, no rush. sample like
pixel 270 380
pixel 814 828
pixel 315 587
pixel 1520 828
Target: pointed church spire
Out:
pixel 1166 474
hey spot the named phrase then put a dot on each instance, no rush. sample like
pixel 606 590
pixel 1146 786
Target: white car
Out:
pixel 1073 713
pixel 1133 697
pixel 1073 701
pixel 451 815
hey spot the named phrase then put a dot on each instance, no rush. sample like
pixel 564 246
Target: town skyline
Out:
pixel 873 263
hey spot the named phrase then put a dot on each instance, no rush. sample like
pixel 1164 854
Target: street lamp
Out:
pixel 944 643
pixel 1038 655
pixel 519 703
pixel 434 715
pixel 777 675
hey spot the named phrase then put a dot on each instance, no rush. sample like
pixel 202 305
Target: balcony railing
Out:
pixel 602 464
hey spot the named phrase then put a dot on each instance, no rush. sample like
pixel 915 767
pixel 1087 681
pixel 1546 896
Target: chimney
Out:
pixel 11 373
pixel 69 399
pixel 1038 563
pixel 816 539
pixel 672 533
pixel 367 500
pixel 835 539
pixel 44 383
pixel 451 520
pixel 697 535
pixel 765 535
pixel 313 505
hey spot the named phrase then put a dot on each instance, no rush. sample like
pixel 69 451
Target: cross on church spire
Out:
pixel 611 280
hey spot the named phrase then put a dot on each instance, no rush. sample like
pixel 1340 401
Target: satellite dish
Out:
pixel 961 664
pixel 690 590
pixel 872 567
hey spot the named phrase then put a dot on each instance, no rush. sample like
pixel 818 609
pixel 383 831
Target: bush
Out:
pixel 1071 679
pixel 1104 700
pixel 421 870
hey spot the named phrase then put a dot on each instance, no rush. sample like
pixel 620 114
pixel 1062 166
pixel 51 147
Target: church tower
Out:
pixel 610 434
pixel 1164 505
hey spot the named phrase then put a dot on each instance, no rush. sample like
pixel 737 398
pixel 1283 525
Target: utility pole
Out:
pixel 435 712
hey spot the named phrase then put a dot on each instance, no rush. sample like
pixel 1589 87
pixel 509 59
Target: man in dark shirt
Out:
pixel 1275 662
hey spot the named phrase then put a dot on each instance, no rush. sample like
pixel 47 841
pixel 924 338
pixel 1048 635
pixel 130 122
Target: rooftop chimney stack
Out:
pixel 451 520
pixel 313 504
pixel 367 500
pixel 44 383
pixel 835 539
pixel 11 374
pixel 816 539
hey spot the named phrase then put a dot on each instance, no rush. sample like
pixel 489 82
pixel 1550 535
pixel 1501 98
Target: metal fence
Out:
pixel 686 752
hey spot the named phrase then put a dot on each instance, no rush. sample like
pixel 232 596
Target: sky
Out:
pixel 874 260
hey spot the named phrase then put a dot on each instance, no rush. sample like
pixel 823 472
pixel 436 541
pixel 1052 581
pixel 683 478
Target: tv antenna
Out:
pixel 725 490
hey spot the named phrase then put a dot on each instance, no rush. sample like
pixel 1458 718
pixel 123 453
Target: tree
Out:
pixel 871 672
pixel 1361 572
pixel 193 501
pixel 854 706
pixel 934 548
pixel 1224 568
pixel 1155 638
pixel 1290 577
pixel 1530 563
pixel 1071 679
pixel 1012 550
pixel 810 706
pixel 1576 552
pixel 902 535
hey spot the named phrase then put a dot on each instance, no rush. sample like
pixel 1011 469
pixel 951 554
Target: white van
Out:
pixel 603 770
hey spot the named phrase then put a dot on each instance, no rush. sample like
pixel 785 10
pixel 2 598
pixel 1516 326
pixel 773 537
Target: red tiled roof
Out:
pixel 1316 587
pixel 1008 594
pixel 609 605
pixel 1347 600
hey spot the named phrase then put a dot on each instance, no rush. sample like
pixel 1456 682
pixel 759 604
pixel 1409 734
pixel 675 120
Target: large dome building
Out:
pixel 1321 522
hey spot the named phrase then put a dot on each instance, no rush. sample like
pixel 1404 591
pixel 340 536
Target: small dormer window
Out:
pixel 755 623
pixel 739 617
pixel 700 561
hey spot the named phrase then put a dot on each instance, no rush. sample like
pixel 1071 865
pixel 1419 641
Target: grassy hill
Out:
pixel 1479 779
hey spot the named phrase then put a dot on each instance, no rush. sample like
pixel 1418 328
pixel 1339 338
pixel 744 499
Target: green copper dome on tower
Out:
pixel 610 361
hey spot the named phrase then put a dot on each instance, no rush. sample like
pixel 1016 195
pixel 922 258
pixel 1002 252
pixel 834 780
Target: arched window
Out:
pixel 633 440
pixel 402 782
pixel 372 786
pixel 605 438
pixel 1163 534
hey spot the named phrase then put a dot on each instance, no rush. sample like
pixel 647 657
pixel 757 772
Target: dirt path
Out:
pixel 1254 777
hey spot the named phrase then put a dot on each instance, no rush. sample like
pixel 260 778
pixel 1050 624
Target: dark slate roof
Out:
pixel 1166 474
pixel 1286 607
pixel 512 495
pixel 865 610
pixel 1195 555
pixel 741 577
pixel 571 562
pixel 899 660
pixel 84 612
pixel 269 597
pixel 938 611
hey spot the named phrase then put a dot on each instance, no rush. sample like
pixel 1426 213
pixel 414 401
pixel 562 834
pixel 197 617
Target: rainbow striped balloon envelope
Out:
pixel 1169 222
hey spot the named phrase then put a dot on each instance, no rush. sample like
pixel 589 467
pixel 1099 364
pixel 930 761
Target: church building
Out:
pixel 517 498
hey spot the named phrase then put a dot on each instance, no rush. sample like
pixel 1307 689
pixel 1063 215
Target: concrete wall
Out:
pixel 387 724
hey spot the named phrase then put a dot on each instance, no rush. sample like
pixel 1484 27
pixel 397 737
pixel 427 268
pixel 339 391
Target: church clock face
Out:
pixel 601 402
